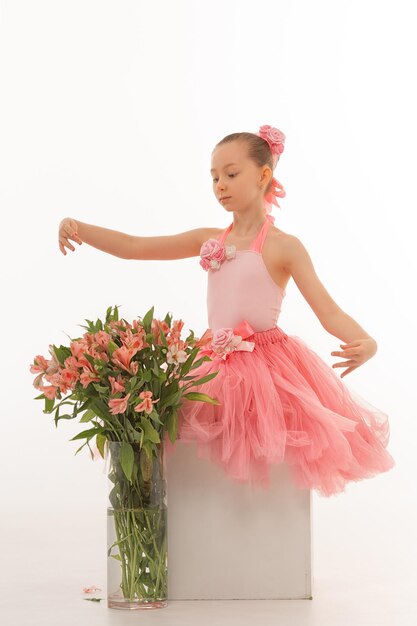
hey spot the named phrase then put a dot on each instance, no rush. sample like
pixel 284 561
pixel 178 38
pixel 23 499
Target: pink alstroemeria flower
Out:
pixel 49 391
pixel 116 384
pixel 122 358
pixel 40 364
pixel 102 339
pixel 118 405
pixel 146 405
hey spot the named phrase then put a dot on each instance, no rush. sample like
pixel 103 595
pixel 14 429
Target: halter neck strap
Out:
pixel 258 242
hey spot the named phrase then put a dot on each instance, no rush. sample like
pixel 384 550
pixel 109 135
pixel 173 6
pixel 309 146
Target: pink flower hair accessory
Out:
pixel 275 139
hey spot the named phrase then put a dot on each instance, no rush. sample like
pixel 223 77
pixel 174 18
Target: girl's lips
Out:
pixel 226 198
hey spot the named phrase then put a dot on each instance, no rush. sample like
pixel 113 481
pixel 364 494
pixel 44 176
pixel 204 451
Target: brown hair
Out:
pixel 258 150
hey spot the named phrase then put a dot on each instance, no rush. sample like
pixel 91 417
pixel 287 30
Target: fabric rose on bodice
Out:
pixel 213 254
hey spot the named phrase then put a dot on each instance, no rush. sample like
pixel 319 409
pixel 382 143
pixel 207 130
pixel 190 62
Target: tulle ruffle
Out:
pixel 283 403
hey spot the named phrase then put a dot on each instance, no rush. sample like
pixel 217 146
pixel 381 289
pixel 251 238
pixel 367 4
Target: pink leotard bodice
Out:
pixel 242 288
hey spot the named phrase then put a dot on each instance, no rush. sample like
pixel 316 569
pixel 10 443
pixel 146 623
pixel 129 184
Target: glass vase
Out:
pixel 137 539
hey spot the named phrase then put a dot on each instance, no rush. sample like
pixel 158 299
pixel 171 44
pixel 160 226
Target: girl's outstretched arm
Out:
pixel 111 241
pixel 181 246
pixel 124 246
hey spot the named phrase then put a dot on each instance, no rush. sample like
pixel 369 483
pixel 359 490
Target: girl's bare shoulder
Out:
pixel 279 239
pixel 211 233
pixel 278 232
pixel 216 232
pixel 277 247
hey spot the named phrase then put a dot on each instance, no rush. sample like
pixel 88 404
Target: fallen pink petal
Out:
pixel 91 589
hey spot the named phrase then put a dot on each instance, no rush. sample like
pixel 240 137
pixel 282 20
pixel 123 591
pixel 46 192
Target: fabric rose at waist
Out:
pixel 223 341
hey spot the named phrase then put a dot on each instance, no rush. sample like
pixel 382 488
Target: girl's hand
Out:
pixel 357 352
pixel 68 229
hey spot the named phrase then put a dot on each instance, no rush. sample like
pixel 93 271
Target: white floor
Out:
pixel 364 570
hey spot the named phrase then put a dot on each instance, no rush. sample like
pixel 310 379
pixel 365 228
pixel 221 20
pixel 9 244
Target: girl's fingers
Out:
pixel 64 243
pixel 73 236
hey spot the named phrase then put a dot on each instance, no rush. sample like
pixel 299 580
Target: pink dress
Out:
pixel 279 401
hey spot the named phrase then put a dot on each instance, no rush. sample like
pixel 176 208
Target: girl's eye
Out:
pixel 231 175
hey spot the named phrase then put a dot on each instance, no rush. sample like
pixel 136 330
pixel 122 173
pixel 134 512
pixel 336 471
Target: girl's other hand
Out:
pixel 68 229
pixel 358 352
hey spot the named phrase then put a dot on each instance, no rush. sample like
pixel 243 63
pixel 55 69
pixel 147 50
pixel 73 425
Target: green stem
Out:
pixel 130 548
pixel 119 540
pixel 133 568
pixel 160 563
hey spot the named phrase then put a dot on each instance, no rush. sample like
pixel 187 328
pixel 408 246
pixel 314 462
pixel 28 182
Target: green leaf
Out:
pixel 185 367
pixel 100 388
pixel 112 346
pixel 100 443
pixel 49 405
pixel 163 338
pixel 135 384
pixel 146 376
pixel 198 362
pixel 126 459
pixel 150 432
pixel 154 415
pixel 88 415
pixel 146 466
pixel 204 379
pixel 84 406
pixel 155 367
pixel 148 449
pixel 147 320
pixel 202 397
pixel 101 409
pixel 88 433
pixel 63 417
pixel 172 425
pixel 61 353
pixel 170 400
pixel 89 358
pixel 80 448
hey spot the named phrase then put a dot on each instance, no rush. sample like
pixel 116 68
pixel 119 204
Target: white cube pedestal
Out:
pixel 231 541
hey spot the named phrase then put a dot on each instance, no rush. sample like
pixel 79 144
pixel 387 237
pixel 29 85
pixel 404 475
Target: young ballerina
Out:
pixel 279 401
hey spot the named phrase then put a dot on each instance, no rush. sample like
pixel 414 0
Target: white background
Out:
pixel 109 112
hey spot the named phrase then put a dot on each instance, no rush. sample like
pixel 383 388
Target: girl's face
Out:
pixel 237 178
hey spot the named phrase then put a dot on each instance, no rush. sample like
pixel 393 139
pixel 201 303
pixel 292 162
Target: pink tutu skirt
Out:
pixel 281 403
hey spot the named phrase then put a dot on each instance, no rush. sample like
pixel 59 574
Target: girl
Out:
pixel 279 401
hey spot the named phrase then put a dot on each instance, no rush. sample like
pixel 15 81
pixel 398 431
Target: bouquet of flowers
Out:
pixel 127 381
